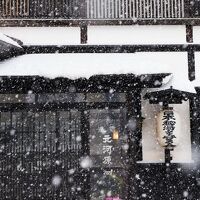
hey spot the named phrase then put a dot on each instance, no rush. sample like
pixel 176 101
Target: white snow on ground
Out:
pixel 137 34
pixel 85 65
pixel 8 40
pixel 44 35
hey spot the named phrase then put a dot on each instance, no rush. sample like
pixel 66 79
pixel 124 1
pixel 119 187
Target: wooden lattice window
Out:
pixel 14 8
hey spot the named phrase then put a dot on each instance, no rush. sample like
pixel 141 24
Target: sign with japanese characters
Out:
pixel 168 128
pixel 107 149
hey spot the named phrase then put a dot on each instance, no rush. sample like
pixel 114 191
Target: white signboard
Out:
pixel 168 128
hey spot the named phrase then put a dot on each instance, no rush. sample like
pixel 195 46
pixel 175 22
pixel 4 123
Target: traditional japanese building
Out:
pixel 99 99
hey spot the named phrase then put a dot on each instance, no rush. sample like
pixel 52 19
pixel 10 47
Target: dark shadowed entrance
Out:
pixel 48 127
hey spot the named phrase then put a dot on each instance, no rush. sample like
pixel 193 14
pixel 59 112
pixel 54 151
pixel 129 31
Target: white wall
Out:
pixel 196 34
pixel 44 35
pixel 137 34
pixel 197 69
pixel 152 152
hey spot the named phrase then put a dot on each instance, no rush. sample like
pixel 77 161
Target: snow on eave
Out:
pixel 9 47
pixel 9 41
pixel 80 65
pixel 175 82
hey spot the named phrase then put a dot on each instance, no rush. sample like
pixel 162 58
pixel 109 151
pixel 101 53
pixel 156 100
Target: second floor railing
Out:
pixel 99 9
pixel 41 9
pixel 127 9
pixel 14 8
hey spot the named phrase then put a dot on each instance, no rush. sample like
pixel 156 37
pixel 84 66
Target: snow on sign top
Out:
pixel 79 65
pixel 8 40
pixel 176 83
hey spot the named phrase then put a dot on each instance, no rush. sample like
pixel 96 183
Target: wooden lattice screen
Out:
pixel 15 8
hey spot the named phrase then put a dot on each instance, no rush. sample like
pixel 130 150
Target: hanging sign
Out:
pixel 168 128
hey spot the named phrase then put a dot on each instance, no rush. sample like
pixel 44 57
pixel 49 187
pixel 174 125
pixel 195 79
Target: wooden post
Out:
pixel 191 64
pixel 168 157
pixel 84 34
pixel 189 33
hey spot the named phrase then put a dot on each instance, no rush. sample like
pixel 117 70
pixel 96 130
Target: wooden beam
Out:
pixel 85 22
pixel 35 49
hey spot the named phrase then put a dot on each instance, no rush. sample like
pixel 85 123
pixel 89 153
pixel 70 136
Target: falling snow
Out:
pixel 76 125
pixel 56 180
pixel 86 162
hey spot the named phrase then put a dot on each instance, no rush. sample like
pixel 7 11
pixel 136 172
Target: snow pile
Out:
pixel 85 65
pixel 6 39
pixel 177 83
pixel 82 65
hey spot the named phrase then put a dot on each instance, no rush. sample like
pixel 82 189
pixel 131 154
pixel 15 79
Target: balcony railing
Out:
pixel 99 9
pixel 133 9
pixel 40 9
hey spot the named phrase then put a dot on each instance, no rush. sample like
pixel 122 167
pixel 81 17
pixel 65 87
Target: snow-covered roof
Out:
pixel 74 66
pixel 174 82
pixel 83 65
pixel 8 40
pixel 9 47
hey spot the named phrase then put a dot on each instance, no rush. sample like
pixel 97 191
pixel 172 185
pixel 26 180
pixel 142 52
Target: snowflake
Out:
pixel 137 176
pixel 86 162
pixel 56 180
pixel 185 193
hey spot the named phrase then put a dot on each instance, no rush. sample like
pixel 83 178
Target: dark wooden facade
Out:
pixel 28 164
pixel 29 161
pixel 98 12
